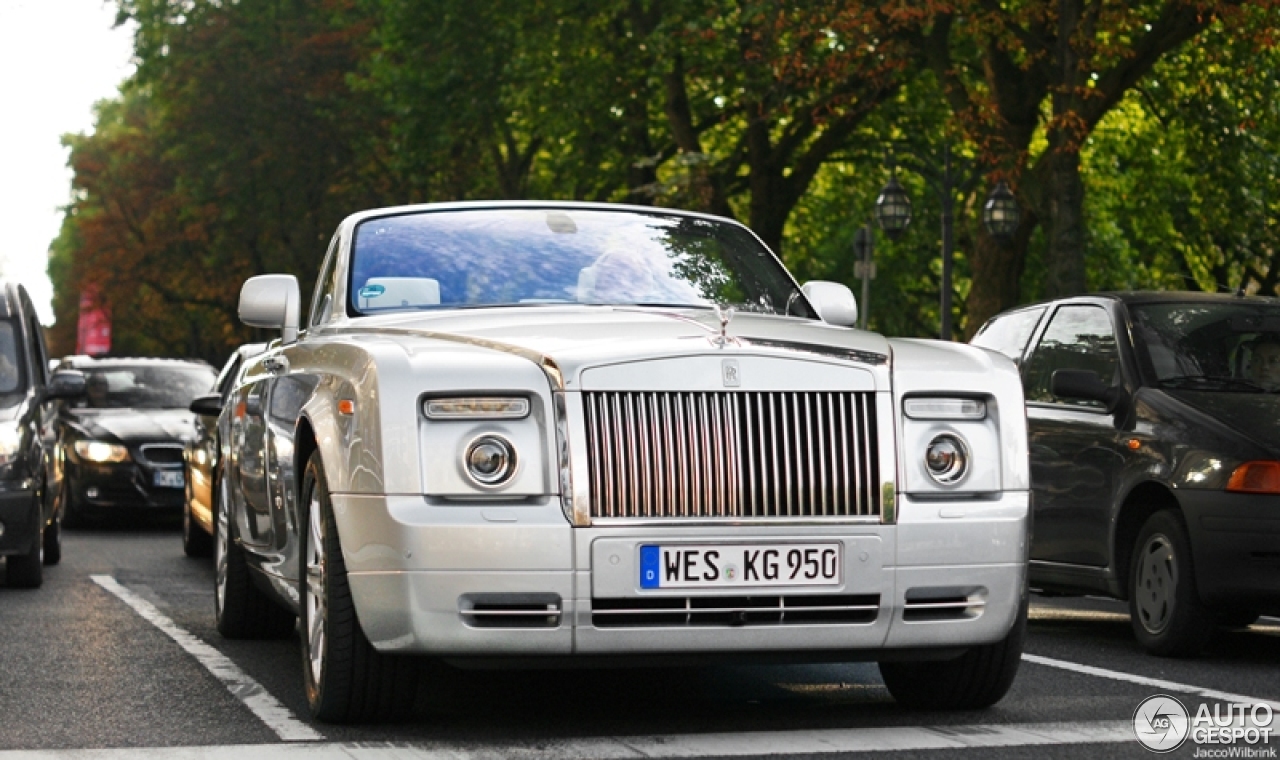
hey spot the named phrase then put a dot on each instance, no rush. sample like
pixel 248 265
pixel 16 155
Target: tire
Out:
pixel 346 679
pixel 27 570
pixel 1165 610
pixel 977 679
pixel 241 610
pixel 53 541
pixel 195 542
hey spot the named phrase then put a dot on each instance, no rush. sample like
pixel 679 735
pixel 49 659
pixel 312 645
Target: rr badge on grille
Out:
pixel 730 373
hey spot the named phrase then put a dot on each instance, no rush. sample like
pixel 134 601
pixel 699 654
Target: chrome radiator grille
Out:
pixel 732 454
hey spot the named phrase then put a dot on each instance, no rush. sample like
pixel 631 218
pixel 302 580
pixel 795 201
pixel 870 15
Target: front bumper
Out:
pixel 20 516
pixel 1235 543
pixel 122 485
pixel 422 574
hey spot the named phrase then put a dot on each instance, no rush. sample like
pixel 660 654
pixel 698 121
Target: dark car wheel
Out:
pixel 979 678
pixel 195 542
pixel 1168 617
pixel 53 541
pixel 27 570
pixel 346 678
pixel 241 609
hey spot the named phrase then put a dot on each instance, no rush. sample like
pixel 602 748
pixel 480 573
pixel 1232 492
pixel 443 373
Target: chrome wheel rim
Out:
pixel 221 546
pixel 313 591
pixel 1156 583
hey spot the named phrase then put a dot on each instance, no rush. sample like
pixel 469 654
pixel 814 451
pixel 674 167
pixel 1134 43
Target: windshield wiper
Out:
pixel 1214 381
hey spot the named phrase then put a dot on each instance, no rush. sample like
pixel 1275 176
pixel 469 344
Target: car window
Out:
pixel 322 299
pixel 1009 333
pixel 1078 337
pixel 227 376
pixel 480 258
pixel 1228 347
pixel 11 385
pixel 144 387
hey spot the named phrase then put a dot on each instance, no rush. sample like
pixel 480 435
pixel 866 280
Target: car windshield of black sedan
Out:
pixel 144 387
pixel 501 257
pixel 1224 347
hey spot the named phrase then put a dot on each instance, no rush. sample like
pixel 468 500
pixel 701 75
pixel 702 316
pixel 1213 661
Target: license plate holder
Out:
pixel 666 566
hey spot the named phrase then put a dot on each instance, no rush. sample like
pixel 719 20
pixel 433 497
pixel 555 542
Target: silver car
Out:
pixel 563 431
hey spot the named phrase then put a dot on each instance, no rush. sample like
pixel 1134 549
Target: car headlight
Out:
pixel 951 446
pixel 101 451
pixel 490 460
pixel 10 442
pixel 947 459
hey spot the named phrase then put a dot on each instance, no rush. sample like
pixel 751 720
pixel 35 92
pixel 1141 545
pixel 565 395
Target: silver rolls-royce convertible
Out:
pixel 563 433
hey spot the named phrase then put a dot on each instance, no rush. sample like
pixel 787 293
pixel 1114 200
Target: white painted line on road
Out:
pixel 747 743
pixel 268 709
pixel 1155 683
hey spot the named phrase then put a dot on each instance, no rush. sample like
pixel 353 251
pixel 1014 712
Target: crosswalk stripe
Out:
pixel 268 709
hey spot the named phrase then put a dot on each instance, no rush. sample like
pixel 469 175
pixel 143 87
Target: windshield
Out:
pixel 11 385
pixel 1231 347
pixel 144 387
pixel 501 257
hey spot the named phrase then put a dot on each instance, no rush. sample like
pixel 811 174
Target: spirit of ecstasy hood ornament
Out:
pixel 725 315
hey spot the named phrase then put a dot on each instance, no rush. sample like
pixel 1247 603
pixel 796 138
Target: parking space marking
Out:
pixel 268 709
pixel 1155 683
pixel 744 744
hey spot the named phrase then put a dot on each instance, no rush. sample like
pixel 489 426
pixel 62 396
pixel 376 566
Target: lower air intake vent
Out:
pixel 510 610
pixel 947 603
pixel 734 610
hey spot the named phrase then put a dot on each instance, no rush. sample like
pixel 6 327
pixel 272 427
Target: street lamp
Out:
pixel 1000 214
pixel 893 208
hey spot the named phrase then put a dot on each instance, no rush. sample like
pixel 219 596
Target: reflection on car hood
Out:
pixel 577 335
pixel 1254 415
pixel 135 424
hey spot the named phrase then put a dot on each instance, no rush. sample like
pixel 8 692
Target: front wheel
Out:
pixel 346 679
pixel 1165 610
pixel 978 678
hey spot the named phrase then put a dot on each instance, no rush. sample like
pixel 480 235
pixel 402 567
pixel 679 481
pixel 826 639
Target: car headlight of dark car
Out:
pixel 100 452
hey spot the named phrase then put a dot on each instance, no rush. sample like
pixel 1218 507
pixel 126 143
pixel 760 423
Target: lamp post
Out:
pixel 864 268
pixel 893 211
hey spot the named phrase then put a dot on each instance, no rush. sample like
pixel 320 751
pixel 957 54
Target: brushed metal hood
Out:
pixel 568 339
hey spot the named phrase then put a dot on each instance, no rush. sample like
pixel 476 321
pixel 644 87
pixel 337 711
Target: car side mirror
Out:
pixel 207 406
pixel 834 302
pixel 1085 384
pixel 65 384
pixel 272 301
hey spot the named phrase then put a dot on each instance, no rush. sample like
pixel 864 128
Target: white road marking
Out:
pixel 1155 683
pixel 831 741
pixel 268 709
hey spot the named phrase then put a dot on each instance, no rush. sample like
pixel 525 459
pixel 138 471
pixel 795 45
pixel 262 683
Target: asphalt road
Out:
pixel 118 651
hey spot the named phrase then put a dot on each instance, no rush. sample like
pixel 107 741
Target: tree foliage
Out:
pixel 252 127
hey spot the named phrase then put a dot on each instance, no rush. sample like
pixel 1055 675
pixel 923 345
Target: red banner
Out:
pixel 93 334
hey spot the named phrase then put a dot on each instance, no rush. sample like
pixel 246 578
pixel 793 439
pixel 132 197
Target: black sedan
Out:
pixel 119 447
pixel 1154 433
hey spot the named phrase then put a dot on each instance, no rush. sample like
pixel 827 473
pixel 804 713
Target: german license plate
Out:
pixel 169 479
pixel 739 565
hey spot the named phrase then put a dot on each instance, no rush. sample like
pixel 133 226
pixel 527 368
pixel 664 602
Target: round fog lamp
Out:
pixel 947 459
pixel 490 460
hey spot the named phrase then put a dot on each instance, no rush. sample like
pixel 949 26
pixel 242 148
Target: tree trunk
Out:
pixel 997 272
pixel 1065 269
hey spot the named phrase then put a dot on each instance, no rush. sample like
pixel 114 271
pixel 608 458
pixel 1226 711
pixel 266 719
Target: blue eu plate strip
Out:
pixel 650 566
